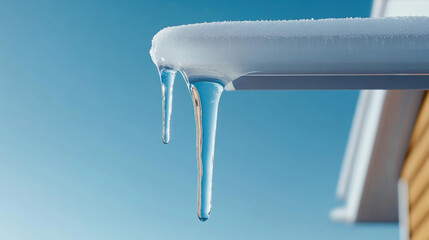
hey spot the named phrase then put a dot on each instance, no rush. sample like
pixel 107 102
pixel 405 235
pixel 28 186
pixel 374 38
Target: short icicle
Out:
pixel 205 96
pixel 167 81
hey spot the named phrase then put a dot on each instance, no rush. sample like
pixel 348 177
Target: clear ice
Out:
pixel 205 96
pixel 167 82
pixel 205 93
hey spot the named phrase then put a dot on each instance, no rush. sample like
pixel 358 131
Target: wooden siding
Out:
pixel 416 173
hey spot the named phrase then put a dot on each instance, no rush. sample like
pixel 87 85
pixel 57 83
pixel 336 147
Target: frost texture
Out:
pixel 228 50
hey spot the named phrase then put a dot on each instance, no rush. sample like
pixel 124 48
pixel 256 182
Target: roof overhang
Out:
pixel 375 153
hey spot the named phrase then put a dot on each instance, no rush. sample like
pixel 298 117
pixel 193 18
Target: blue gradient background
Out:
pixel 81 155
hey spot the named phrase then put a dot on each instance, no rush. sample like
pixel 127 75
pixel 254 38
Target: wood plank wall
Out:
pixel 416 173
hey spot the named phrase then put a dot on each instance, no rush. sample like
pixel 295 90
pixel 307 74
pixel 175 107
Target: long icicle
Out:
pixel 205 96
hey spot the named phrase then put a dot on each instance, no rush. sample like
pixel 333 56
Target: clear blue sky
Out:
pixel 81 155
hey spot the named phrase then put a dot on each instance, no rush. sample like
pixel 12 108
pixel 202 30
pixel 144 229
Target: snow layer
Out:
pixel 228 50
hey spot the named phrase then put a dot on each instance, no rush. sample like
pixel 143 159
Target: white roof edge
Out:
pixel 378 8
pixel 364 150
pixel 354 138
pixel 341 214
pixel 359 151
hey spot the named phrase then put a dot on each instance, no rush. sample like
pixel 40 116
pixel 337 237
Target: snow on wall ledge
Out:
pixel 352 53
